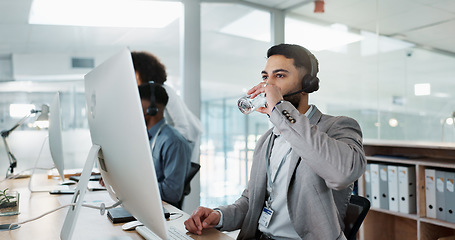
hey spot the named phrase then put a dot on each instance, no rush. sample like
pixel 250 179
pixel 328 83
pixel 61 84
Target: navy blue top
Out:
pixel 172 159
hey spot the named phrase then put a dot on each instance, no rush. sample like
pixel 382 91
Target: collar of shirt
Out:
pixel 152 131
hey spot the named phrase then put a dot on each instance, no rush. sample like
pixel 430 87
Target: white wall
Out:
pixel 44 66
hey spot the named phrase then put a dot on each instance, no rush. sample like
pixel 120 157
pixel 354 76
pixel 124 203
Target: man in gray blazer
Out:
pixel 303 168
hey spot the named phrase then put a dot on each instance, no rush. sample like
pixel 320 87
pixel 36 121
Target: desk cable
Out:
pixel 102 209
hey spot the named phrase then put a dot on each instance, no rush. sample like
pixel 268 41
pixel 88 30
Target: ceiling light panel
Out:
pixel 104 13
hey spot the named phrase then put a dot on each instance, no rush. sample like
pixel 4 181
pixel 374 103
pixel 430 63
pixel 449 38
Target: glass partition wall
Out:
pixel 396 90
pixel 233 56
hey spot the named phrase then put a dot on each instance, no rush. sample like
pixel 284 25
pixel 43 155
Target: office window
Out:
pixel 29 141
pixel 394 89
pixel 235 39
pixel 33 68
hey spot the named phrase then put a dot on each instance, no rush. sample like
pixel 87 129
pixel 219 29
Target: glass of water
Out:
pixel 247 104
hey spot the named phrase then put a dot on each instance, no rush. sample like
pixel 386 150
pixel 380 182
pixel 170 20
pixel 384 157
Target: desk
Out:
pixel 90 224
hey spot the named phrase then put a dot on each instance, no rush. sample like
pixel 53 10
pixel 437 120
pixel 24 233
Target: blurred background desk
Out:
pixel 90 224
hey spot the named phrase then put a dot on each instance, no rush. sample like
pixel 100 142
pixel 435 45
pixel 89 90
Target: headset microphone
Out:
pixel 294 93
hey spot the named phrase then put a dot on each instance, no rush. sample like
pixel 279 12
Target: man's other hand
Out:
pixel 202 218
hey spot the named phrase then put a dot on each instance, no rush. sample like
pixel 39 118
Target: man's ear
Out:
pixel 138 78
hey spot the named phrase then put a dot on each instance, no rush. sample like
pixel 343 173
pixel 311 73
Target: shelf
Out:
pixel 430 162
pixel 410 149
pixel 410 144
pixel 386 224
pixel 432 231
pixel 379 225
pixel 392 159
pixel 438 222
pixel 412 216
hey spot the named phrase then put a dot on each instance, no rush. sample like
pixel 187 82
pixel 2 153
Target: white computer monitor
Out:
pixel 120 145
pixel 55 136
pixel 55 143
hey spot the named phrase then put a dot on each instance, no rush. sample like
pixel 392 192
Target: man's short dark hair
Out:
pixel 300 55
pixel 145 93
pixel 149 67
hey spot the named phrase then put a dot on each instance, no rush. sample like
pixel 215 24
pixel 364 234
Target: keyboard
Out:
pixel 95 186
pixel 172 234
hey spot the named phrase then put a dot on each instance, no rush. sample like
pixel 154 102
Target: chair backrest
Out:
pixel 194 168
pixel 355 214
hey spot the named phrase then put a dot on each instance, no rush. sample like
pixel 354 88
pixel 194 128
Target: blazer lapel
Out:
pixel 316 116
pixel 295 159
pixel 259 193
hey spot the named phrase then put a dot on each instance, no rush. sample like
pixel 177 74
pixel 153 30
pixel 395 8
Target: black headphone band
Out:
pixel 310 83
pixel 313 64
pixel 152 110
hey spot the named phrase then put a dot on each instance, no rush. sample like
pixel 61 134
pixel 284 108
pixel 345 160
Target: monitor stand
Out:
pixel 64 183
pixel 78 197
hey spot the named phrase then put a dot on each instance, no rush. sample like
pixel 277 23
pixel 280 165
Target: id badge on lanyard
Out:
pixel 267 211
pixel 266 216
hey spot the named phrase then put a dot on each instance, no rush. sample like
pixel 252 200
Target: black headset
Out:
pixel 152 110
pixel 310 82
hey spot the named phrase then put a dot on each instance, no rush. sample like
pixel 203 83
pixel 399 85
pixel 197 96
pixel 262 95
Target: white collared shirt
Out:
pixel 280 226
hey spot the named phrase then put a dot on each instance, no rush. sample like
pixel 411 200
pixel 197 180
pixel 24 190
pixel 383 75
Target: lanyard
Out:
pixel 270 181
pixel 156 135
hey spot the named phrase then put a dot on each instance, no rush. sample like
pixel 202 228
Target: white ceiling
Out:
pixel 428 23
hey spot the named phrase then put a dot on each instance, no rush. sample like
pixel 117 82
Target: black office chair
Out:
pixel 194 168
pixel 355 214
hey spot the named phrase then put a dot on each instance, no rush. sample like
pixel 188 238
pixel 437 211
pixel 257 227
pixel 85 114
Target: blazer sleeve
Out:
pixel 234 214
pixel 332 147
pixel 245 212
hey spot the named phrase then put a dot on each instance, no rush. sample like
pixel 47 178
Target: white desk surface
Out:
pixel 90 224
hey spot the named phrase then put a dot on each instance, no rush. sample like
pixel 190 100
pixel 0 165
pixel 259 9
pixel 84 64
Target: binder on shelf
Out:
pixel 450 197
pixel 374 173
pixel 383 187
pixel 367 176
pixel 440 195
pixel 430 192
pixel 392 177
pixel 407 189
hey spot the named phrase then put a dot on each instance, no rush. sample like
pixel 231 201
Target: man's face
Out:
pixel 281 72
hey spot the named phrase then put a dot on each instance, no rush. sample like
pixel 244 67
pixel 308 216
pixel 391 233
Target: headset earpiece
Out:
pixel 152 110
pixel 310 84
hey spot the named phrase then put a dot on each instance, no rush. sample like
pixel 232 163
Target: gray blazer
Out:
pixel 327 158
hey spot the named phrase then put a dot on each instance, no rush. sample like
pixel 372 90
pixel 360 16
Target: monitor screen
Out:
pixel 117 128
pixel 55 135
